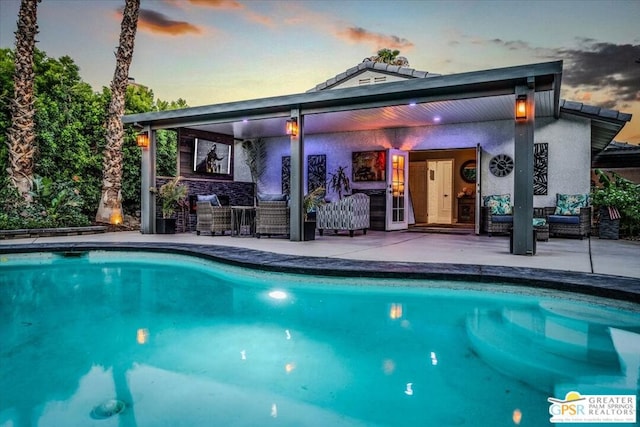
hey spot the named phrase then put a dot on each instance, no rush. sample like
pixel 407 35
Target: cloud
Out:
pixel 361 35
pixel 218 4
pixel 606 66
pixel 605 73
pixel 227 6
pixel 158 23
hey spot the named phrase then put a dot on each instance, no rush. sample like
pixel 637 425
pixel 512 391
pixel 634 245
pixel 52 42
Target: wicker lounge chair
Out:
pixel 212 219
pixel 571 215
pixel 495 224
pixel 569 225
pixel 272 217
pixel 497 214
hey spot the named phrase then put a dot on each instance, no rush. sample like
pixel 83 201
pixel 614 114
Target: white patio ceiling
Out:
pixel 435 113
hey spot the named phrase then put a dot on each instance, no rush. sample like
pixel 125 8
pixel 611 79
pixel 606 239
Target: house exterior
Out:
pixel 441 130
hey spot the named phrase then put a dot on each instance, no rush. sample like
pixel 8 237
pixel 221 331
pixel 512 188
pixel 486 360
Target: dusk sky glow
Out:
pixel 213 51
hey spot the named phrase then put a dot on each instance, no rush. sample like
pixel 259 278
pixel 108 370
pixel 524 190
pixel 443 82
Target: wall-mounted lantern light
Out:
pixel 142 140
pixel 521 107
pixel 292 126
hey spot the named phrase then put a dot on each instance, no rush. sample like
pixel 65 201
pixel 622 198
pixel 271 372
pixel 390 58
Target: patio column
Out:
pixel 523 177
pixel 148 180
pixel 296 186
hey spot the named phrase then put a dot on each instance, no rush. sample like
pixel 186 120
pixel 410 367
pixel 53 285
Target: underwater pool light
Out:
pixel 279 295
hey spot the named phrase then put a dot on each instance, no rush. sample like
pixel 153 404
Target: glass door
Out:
pixel 397 217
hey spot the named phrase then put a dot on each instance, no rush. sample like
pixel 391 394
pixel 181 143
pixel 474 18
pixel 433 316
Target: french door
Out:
pixel 397 214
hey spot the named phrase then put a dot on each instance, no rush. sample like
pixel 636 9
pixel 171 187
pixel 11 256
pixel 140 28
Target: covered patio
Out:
pixel 390 108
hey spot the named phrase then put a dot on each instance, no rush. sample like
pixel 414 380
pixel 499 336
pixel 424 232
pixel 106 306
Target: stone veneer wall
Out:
pixel 239 193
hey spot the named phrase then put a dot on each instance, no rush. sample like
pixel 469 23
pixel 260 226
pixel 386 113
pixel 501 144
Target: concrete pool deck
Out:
pixel 601 267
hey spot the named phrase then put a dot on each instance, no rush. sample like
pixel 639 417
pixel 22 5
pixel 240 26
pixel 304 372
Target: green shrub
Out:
pixel 615 191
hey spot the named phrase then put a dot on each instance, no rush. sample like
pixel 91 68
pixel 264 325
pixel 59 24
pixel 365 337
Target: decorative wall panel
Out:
pixel 316 171
pixel 540 168
pixel 286 174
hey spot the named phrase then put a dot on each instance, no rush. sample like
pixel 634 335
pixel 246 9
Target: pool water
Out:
pixel 139 339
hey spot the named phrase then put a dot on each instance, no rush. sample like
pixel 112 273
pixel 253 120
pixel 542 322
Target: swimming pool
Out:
pixel 142 339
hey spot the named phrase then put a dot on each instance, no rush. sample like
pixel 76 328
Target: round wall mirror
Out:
pixel 468 171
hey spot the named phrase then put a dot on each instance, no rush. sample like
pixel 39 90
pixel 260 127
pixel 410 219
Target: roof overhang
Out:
pixel 465 97
pixel 605 124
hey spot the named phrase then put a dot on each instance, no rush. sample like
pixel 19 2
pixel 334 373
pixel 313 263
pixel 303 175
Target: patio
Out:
pixel 608 265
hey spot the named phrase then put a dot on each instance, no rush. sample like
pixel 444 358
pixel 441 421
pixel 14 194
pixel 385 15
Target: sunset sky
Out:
pixel 213 51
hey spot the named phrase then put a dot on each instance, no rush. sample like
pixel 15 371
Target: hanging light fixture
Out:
pixel 142 140
pixel 292 126
pixel 521 107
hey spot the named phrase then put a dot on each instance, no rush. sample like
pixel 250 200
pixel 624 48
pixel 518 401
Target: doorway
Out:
pixel 437 178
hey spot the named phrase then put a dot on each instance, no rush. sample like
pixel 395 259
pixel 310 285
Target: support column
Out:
pixel 148 180
pixel 523 177
pixel 296 186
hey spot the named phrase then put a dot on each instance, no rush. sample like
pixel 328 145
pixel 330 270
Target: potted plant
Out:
pixel 170 195
pixel 310 205
pixel 339 182
pixel 617 199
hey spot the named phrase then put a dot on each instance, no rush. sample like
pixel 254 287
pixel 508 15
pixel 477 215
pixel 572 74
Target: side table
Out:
pixel 243 221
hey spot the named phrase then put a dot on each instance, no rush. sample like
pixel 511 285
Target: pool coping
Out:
pixel 600 285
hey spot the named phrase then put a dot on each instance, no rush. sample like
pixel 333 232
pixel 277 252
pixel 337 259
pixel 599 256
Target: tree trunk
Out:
pixel 110 206
pixel 21 136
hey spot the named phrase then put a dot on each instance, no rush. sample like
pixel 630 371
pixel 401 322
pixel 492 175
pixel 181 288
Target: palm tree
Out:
pixel 21 136
pixel 388 56
pixel 110 205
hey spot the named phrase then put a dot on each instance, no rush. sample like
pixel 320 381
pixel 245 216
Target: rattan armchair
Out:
pixel 569 225
pixel 495 224
pixel 272 217
pixel 212 219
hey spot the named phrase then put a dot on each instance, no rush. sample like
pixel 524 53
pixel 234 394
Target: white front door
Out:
pixel 397 215
pixel 440 189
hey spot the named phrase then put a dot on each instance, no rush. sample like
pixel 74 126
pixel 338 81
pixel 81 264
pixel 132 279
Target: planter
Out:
pixel 309 230
pixel 608 228
pixel 165 226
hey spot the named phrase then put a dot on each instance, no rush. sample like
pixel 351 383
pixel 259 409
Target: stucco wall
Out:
pixel 568 138
pixel 569 156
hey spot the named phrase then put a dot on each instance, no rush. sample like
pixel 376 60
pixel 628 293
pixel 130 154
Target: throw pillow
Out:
pixel 211 198
pixel 263 197
pixel 499 204
pixel 570 204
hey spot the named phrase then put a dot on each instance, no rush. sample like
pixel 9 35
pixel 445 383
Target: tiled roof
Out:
pixel 408 73
pixel 590 110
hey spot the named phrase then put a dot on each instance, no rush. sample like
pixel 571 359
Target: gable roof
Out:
pixel 402 72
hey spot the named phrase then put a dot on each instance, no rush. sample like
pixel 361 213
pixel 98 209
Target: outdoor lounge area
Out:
pixel 408 167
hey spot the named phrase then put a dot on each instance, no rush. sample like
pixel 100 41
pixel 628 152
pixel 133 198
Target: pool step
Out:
pixel 571 338
pixel 532 348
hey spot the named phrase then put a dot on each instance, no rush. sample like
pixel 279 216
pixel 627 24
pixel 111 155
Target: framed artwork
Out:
pixel 540 168
pixel 369 165
pixel 286 174
pixel 316 171
pixel 211 157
